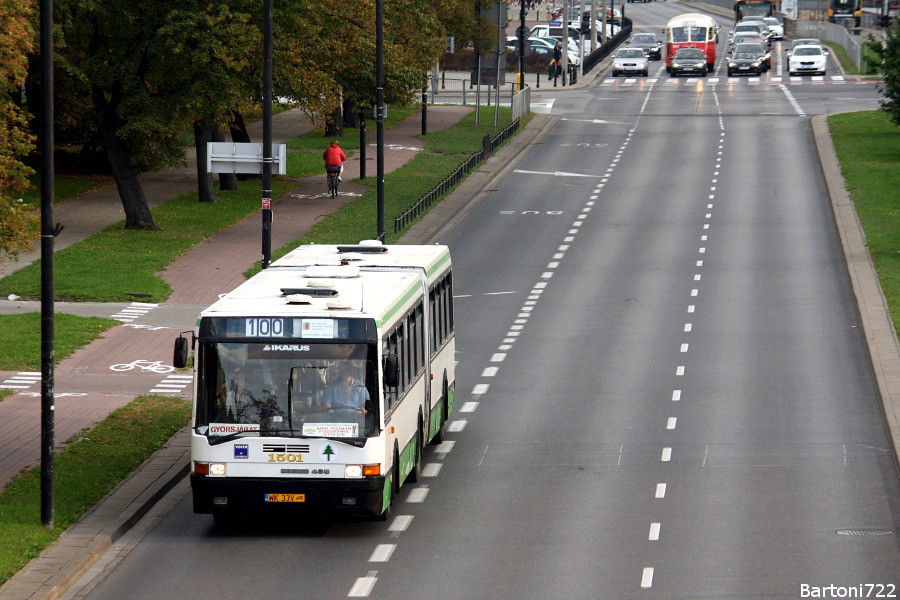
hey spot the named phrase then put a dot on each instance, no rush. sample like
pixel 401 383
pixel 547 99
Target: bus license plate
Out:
pixel 285 497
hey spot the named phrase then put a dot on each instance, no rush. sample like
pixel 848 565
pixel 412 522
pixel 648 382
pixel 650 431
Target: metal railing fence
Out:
pixel 831 32
pixel 592 59
pixel 440 190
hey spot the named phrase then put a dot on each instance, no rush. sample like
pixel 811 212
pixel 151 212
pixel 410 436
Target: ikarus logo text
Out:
pixel 285 348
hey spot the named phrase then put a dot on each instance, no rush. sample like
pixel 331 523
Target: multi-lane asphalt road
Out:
pixel 667 391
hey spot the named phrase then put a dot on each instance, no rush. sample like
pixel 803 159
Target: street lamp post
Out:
pixel 47 292
pixel 379 112
pixel 267 136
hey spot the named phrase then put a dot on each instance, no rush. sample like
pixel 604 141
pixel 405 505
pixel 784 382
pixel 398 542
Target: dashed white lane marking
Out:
pixel 431 469
pixel 468 407
pixel 684 347
pixel 363 586
pixel 694 292
pixel 489 372
pixel 457 426
pixel 21 380
pixel 444 447
pixel 133 311
pixel 654 531
pixel 679 371
pixel 688 326
pixel 480 389
pixel 401 523
pixel 418 494
pixel 647 577
pixel 666 455
pixel 670 424
pixel 382 552
pixel 498 357
pixel 676 395
pixel 660 490
pixel 173 384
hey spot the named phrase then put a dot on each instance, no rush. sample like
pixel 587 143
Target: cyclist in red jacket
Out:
pixel 334 159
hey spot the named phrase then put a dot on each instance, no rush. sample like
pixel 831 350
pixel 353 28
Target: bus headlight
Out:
pixel 353 471
pixel 217 469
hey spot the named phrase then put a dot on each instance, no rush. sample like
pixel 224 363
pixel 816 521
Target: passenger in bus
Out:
pixel 346 394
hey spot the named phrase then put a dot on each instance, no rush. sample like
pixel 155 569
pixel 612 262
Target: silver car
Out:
pixel 630 61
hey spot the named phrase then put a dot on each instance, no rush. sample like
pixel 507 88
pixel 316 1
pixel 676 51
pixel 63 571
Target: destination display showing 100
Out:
pixel 264 327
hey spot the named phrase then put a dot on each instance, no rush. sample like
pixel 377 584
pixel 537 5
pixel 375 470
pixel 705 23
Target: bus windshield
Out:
pixel 688 34
pixel 287 389
pixel 762 9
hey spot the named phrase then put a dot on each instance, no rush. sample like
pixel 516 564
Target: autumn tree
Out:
pixel 18 228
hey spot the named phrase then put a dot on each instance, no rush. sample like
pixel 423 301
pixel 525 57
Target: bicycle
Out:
pixel 333 180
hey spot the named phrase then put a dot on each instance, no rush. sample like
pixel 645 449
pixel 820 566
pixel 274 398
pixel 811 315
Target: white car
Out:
pixel 630 61
pixel 808 59
pixel 776 27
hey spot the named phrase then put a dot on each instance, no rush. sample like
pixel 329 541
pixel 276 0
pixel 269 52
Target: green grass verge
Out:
pixel 316 140
pixel 443 152
pixel 20 345
pixel 869 60
pixel 868 147
pixel 63 189
pixel 108 264
pixel 85 472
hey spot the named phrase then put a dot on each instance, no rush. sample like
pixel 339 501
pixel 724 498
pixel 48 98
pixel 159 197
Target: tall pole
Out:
pixel 379 110
pixel 501 56
pixel 522 46
pixel 47 291
pixel 362 145
pixel 267 136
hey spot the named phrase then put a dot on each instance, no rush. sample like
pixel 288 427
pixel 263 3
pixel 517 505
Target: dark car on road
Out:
pixel 744 62
pixel 649 43
pixel 688 61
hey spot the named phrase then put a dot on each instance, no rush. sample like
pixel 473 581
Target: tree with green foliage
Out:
pixel 113 49
pixel 18 228
pixel 889 52
pixel 208 49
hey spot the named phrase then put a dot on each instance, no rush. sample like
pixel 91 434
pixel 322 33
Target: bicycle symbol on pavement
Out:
pixel 154 366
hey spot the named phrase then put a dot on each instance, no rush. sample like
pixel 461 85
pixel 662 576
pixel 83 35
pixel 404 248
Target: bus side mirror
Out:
pixel 181 352
pixel 391 371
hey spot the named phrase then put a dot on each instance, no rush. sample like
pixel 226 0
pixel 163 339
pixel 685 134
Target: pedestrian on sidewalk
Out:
pixel 334 159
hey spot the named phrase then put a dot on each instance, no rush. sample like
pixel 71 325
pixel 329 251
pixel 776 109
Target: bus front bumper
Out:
pixel 233 495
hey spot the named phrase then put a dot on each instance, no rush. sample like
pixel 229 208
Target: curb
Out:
pixel 881 337
pixel 58 567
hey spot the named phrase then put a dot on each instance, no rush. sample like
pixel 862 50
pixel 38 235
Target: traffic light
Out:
pixel 885 21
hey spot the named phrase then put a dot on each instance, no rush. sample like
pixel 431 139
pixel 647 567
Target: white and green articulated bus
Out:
pixel 318 382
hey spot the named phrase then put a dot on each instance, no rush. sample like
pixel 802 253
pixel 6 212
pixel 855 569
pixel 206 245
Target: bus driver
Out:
pixel 346 394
